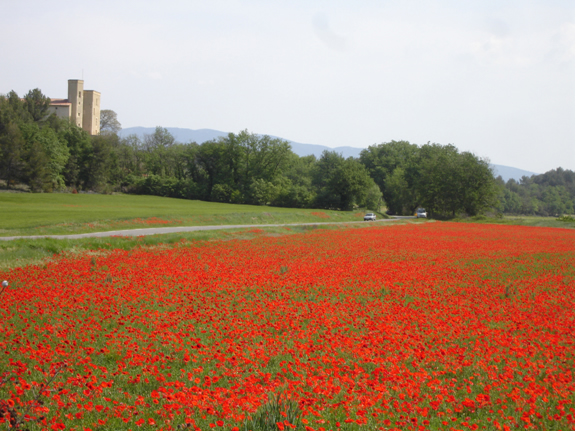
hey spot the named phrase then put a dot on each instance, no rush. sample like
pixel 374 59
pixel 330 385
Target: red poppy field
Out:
pixel 416 327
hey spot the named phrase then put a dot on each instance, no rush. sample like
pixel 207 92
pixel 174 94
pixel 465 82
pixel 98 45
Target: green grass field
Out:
pixel 51 214
pixel 535 221
pixel 43 214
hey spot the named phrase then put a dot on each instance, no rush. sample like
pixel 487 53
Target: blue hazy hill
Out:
pixel 199 136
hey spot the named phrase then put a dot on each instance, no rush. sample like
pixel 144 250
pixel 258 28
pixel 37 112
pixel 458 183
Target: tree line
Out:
pixel 49 154
pixel 548 194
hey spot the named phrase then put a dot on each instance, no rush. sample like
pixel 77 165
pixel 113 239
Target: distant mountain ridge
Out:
pixel 199 136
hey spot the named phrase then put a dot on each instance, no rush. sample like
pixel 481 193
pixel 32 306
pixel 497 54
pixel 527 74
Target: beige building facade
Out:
pixel 82 107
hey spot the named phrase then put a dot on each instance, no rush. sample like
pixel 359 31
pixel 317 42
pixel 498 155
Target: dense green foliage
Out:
pixel 47 154
pixel 449 183
pixel 41 150
pixel 548 194
pixel 434 176
pixel 243 168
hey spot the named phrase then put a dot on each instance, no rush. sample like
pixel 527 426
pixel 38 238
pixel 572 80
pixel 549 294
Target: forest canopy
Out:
pixel 47 154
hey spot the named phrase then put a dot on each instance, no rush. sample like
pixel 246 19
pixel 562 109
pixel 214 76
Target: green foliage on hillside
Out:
pixel 437 177
pixel 49 154
pixel 548 194
pixel 38 149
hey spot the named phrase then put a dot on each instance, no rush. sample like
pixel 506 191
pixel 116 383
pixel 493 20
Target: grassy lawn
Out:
pixel 535 221
pixel 44 214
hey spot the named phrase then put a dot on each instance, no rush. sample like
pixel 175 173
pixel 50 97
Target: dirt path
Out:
pixel 168 230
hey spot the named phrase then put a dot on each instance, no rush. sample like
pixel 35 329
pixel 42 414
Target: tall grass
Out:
pixel 279 413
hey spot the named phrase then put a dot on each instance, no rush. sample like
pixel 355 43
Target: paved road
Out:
pixel 168 230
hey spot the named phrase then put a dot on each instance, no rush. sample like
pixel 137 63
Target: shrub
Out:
pixel 278 410
pixel 566 218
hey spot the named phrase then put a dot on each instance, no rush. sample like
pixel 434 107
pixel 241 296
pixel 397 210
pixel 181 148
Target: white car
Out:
pixel 421 213
pixel 370 217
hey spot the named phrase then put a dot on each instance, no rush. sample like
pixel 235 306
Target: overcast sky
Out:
pixel 492 77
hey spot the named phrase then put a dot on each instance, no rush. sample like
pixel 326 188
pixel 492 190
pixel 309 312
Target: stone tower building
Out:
pixel 82 107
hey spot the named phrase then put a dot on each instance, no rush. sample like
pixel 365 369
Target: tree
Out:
pixel 263 156
pixel 262 192
pixel 79 146
pixel 156 146
pixel 551 193
pixel 160 139
pixel 373 198
pixel 299 170
pixel 131 158
pixel 99 164
pixel 12 110
pixel 36 173
pixel 433 176
pixel 342 183
pixel 511 202
pixel 386 164
pixel 351 183
pixel 250 156
pixel 176 161
pixel 322 179
pixel 289 193
pixel 479 188
pixel 401 198
pixel 55 151
pixel 37 104
pixel 109 122
pixel 221 193
pixel 212 165
pixel 447 182
pixel 11 154
pixel 234 162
